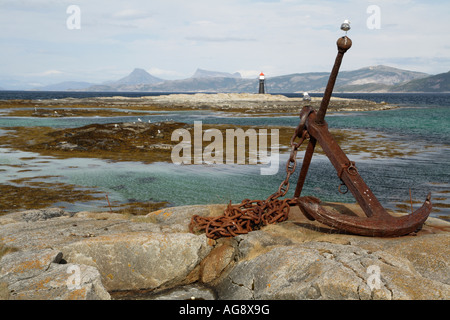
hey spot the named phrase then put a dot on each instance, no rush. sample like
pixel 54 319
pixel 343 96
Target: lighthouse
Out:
pixel 261 83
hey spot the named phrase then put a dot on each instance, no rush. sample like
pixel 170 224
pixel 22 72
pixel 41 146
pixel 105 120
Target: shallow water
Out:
pixel 421 127
pixel 126 182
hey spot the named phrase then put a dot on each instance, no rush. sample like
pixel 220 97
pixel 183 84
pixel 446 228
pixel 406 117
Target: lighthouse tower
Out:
pixel 261 83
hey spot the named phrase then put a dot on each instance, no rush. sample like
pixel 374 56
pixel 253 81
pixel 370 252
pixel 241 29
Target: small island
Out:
pixel 232 102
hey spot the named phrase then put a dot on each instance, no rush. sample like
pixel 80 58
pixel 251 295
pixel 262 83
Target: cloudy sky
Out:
pixel 44 42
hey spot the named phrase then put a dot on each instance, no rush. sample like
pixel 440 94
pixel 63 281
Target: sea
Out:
pixel 419 128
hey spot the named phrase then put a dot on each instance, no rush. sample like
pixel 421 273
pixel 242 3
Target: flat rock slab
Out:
pixel 53 254
pixel 218 101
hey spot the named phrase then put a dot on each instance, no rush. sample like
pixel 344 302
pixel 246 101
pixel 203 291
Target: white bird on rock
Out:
pixel 306 97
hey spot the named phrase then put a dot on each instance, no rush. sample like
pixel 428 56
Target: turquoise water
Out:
pixel 422 125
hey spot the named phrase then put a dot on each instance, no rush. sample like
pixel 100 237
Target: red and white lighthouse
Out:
pixel 262 78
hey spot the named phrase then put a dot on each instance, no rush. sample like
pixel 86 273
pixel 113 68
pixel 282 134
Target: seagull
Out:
pixel 116 125
pixel 159 131
pixel 149 121
pixel 306 97
pixel 345 26
pixel 139 119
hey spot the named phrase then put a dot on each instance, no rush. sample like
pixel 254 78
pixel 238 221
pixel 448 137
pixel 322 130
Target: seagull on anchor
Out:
pixel 345 26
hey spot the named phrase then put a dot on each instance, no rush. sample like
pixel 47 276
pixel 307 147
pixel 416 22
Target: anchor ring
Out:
pixel 351 169
pixel 339 189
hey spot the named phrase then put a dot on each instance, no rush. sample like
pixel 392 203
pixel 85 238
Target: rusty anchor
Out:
pixel 252 214
pixel 377 221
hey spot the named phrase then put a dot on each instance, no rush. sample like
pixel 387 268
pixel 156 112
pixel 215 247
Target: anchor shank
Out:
pixel 343 44
pixel 362 193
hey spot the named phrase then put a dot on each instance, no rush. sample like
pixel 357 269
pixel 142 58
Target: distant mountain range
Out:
pixel 369 79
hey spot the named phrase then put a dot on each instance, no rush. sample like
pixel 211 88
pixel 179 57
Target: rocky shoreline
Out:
pixel 234 102
pixel 53 254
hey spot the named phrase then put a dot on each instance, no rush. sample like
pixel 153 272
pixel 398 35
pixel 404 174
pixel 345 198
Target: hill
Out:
pixel 137 77
pixel 369 79
pixel 436 83
pixel 132 82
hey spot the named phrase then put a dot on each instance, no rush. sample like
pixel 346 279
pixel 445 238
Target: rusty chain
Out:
pixel 251 215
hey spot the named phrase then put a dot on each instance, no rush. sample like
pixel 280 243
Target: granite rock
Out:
pixel 156 257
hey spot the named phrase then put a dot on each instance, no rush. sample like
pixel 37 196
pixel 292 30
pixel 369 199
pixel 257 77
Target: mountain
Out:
pixel 369 79
pixel 200 73
pixel 379 74
pixel 297 82
pixel 374 79
pixel 132 82
pixel 436 83
pixel 137 76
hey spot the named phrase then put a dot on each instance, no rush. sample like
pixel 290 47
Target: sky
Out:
pixel 50 41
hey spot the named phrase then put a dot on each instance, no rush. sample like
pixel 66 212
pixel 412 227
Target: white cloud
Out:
pixel 175 36
pixel 51 73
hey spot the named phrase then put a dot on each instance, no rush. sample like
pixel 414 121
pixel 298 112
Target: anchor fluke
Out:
pixel 374 226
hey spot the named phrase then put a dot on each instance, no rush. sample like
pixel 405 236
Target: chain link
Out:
pixel 251 215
